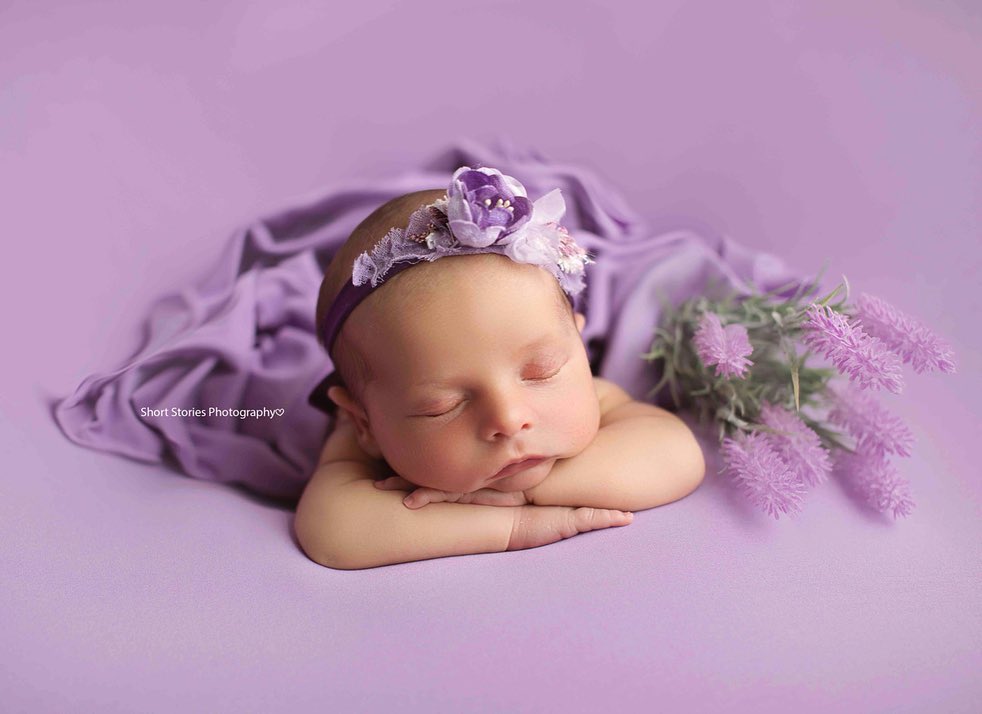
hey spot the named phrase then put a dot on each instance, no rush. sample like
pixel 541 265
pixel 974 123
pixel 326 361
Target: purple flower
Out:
pixel 864 359
pixel 876 481
pixel 799 447
pixel 766 479
pixel 865 418
pixel 484 205
pixel 484 211
pixel 727 347
pixel 538 241
pixel 910 339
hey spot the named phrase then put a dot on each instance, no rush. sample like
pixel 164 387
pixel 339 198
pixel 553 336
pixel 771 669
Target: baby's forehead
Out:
pixel 423 361
pixel 491 321
pixel 486 296
pixel 483 278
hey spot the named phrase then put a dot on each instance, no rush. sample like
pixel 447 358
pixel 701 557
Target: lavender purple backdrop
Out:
pixel 135 139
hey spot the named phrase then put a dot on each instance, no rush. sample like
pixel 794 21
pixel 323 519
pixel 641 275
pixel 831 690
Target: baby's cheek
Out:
pixel 401 455
pixel 430 466
pixel 581 419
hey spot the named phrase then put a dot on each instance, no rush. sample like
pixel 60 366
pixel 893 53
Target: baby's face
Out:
pixel 476 371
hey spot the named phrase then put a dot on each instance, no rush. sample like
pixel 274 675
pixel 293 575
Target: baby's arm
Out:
pixel 641 457
pixel 343 522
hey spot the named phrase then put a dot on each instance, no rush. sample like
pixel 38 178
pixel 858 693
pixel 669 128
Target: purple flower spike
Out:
pixel 484 205
pixel 766 479
pixel 864 359
pixel 799 446
pixel 876 481
pixel 727 348
pixel 910 339
pixel 865 418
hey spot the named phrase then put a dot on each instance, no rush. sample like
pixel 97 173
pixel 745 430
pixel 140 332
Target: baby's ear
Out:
pixel 580 321
pixel 354 411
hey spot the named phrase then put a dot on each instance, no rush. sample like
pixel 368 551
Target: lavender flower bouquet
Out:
pixel 785 425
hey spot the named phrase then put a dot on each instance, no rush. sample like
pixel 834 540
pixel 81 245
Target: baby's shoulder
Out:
pixel 610 395
pixel 606 389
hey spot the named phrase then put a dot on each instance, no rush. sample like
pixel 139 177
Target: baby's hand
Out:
pixel 419 497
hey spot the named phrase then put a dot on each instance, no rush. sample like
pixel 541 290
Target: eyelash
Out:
pixel 538 379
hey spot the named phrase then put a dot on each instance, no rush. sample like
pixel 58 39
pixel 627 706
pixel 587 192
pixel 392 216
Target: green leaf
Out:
pixel 794 386
pixel 825 300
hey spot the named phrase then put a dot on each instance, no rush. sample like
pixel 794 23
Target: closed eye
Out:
pixel 434 416
pixel 546 378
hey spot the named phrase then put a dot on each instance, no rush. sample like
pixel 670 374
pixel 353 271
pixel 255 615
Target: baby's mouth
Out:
pixel 518 467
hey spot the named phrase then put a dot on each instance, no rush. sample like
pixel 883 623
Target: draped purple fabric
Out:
pixel 243 337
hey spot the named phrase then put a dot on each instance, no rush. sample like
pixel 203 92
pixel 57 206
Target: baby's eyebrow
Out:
pixel 538 342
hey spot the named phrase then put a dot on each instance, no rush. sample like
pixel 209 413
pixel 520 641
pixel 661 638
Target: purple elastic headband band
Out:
pixel 346 301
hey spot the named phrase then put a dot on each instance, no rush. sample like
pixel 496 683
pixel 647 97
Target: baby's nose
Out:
pixel 507 419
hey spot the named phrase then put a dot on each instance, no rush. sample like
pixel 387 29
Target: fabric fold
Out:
pixel 242 338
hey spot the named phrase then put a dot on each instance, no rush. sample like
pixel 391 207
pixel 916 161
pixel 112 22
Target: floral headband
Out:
pixel 483 211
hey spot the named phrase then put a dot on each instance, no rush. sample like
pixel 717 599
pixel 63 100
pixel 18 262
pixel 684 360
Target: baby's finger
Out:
pixel 490 497
pixel 591 519
pixel 421 496
pixel 394 483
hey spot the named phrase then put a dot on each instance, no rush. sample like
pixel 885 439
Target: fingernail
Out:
pixel 408 500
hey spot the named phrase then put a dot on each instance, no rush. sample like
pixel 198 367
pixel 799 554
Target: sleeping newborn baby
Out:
pixel 468 420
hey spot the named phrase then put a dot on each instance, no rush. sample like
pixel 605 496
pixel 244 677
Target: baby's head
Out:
pixel 456 367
